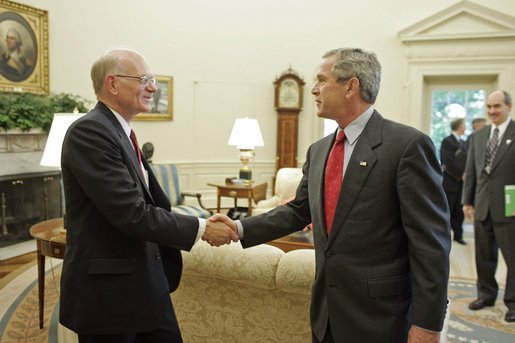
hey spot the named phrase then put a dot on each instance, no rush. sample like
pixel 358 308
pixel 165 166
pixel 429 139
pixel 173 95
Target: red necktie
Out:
pixel 134 141
pixel 333 179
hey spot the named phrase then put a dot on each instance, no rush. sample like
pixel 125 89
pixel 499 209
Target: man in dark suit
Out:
pixel 490 167
pixel 453 157
pixel 123 244
pixel 382 240
pixel 477 124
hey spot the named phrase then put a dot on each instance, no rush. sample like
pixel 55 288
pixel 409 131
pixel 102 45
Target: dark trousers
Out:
pixel 168 332
pixel 489 237
pixel 456 211
pixel 328 338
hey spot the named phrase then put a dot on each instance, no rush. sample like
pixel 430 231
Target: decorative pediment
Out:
pixel 464 20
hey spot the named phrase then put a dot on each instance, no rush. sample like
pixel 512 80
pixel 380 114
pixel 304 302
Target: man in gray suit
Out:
pixel 373 191
pixel 490 167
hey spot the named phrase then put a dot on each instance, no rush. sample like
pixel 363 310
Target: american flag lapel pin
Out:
pixel 363 163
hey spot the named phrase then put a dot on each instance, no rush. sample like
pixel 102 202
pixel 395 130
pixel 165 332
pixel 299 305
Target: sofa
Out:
pixel 230 294
pixel 286 182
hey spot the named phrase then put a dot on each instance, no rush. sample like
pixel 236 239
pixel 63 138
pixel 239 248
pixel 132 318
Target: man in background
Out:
pixel 490 167
pixel 453 156
pixel 123 243
pixel 478 124
pixel 373 191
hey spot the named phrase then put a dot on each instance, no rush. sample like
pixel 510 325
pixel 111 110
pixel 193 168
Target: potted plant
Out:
pixel 26 111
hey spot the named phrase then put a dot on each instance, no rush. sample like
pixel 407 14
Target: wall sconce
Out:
pixel 246 135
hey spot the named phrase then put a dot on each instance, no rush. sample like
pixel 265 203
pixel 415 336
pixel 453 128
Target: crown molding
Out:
pixel 463 21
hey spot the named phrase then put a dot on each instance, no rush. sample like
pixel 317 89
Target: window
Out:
pixel 448 105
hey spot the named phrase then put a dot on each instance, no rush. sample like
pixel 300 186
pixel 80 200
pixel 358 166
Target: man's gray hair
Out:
pixel 14 33
pixel 363 65
pixel 507 98
pixel 109 63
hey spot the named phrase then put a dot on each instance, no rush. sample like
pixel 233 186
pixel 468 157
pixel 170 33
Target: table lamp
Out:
pixel 52 153
pixel 246 135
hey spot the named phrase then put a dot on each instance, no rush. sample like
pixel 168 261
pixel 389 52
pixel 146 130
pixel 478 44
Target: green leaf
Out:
pixel 28 111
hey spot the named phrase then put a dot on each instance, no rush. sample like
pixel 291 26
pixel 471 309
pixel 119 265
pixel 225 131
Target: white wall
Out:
pixel 224 55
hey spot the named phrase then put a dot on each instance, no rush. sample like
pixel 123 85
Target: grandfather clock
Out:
pixel 289 88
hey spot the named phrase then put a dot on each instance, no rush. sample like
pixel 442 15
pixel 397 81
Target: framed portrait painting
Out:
pixel 162 101
pixel 23 48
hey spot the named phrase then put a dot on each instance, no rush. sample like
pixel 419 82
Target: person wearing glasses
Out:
pixel 489 173
pixel 123 243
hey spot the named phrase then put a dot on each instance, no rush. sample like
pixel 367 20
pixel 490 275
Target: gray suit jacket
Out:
pixel 385 264
pixel 123 243
pixel 486 191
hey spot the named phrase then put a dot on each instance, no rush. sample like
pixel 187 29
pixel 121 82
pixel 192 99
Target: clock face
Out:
pixel 289 95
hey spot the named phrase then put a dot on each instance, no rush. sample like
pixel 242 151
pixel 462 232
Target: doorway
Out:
pixel 450 97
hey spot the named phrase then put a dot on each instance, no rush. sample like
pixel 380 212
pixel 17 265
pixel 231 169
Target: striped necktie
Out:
pixel 491 150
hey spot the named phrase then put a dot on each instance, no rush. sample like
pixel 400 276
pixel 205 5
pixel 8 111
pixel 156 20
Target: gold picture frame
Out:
pixel 162 102
pixel 23 48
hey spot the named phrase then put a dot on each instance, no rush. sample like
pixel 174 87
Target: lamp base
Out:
pixel 245 174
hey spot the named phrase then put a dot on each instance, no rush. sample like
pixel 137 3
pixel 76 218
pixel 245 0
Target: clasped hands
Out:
pixel 220 229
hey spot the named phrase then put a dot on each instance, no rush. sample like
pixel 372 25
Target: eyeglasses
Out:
pixel 144 80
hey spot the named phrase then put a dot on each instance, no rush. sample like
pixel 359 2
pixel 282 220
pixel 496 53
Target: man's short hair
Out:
pixel 507 98
pixel 361 64
pixel 455 124
pixel 478 120
pixel 108 63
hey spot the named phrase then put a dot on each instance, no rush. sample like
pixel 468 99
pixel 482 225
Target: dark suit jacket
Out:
pixel 453 157
pixel 386 263
pixel 486 191
pixel 122 257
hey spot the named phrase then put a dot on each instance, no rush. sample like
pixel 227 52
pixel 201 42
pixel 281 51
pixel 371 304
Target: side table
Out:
pixel 298 240
pixel 51 241
pixel 249 192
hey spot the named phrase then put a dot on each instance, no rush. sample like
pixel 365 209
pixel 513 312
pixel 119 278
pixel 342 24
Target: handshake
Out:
pixel 220 229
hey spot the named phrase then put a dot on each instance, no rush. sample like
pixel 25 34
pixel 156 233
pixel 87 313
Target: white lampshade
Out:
pixel 246 134
pixel 60 124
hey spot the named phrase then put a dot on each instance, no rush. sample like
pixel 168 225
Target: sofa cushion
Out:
pixel 254 266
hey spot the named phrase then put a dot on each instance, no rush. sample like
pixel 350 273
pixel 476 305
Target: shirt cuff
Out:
pixel 426 329
pixel 240 229
pixel 201 228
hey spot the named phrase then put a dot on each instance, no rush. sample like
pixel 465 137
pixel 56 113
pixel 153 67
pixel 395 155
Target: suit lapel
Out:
pixel 126 147
pixel 509 136
pixel 359 167
pixel 482 140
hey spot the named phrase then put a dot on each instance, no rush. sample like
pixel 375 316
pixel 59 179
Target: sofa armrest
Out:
pixel 296 271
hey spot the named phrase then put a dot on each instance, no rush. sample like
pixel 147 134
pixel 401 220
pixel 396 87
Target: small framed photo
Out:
pixel 23 48
pixel 162 103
